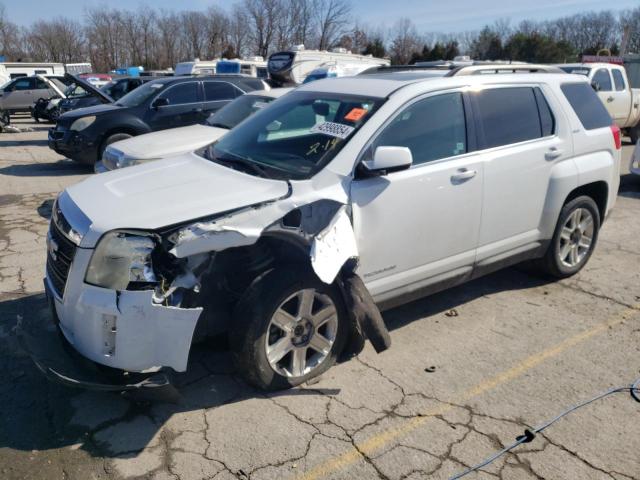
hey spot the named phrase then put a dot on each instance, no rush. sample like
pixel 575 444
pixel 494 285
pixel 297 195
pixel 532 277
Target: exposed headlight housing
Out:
pixel 122 260
pixel 113 159
pixel 82 123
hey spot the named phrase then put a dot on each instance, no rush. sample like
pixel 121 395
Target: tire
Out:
pixel 5 117
pixel 634 134
pixel 116 137
pixel 274 358
pixel 567 253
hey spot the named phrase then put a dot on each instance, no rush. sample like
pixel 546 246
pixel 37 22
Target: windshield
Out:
pixel 141 94
pixel 577 70
pixel 235 112
pixel 296 136
pixel 74 90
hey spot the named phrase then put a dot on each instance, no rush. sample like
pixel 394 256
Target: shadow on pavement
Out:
pixel 59 168
pixel 23 143
pixel 40 415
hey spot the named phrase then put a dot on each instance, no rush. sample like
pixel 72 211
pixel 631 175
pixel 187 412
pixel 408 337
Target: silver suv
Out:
pixel 339 199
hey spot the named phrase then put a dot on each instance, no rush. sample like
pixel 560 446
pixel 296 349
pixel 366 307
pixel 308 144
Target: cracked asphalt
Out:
pixel 469 370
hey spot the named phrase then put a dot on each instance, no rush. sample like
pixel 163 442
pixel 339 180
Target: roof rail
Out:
pixel 405 68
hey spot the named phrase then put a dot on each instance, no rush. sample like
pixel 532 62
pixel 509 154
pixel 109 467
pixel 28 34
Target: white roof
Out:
pixel 384 85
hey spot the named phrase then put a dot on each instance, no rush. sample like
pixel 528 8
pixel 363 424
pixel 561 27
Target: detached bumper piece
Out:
pixel 56 359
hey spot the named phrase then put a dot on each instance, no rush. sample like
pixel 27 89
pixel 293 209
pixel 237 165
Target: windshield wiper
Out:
pixel 244 162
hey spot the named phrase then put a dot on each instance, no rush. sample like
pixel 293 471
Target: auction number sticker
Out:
pixel 333 129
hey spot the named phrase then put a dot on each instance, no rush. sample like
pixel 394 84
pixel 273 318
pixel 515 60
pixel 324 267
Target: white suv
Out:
pixel 426 182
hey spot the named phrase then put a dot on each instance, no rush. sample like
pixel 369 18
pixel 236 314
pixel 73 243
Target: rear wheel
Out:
pixel 289 328
pixel 574 239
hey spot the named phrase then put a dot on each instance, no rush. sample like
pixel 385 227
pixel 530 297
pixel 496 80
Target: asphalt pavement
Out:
pixel 469 370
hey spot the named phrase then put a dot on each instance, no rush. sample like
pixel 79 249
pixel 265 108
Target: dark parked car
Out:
pixel 83 134
pixel 81 94
pixel 119 87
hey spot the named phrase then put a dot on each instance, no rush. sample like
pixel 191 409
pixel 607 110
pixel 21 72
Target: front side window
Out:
pixel 41 85
pixel 602 79
pixel 618 80
pixel 507 115
pixel 296 136
pixel 219 91
pixel 432 129
pixel 182 93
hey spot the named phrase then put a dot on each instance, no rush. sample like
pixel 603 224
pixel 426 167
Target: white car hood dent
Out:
pixel 167 143
pixel 167 192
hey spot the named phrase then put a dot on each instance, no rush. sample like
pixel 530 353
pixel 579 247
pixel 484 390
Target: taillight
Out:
pixel 617 136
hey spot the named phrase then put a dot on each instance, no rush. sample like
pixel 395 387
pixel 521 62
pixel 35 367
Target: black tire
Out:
pixel 5 117
pixel 54 114
pixel 252 317
pixel 551 264
pixel 634 134
pixel 116 137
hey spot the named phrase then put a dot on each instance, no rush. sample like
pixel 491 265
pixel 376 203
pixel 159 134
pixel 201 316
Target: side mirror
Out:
pixel 388 159
pixel 595 85
pixel 160 102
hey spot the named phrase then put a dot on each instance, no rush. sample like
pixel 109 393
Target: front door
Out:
pixel 184 107
pixel 420 226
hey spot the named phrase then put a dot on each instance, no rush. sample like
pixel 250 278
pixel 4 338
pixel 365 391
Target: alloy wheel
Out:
pixel 576 237
pixel 301 333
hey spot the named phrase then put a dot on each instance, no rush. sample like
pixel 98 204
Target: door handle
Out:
pixel 553 153
pixel 463 175
pixel 609 99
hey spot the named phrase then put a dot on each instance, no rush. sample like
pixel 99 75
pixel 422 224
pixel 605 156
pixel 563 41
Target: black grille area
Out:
pixel 59 257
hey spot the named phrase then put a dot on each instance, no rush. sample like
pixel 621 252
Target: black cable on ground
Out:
pixel 529 435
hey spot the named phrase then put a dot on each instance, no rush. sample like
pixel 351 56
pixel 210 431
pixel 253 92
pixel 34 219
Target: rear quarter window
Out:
pixel 588 107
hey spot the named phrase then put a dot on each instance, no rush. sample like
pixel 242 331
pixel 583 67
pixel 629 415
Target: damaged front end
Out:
pixel 139 300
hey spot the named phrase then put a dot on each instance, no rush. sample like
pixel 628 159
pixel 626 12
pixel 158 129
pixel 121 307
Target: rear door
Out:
pixel 620 106
pixel 603 84
pixel 217 94
pixel 184 107
pixel 521 136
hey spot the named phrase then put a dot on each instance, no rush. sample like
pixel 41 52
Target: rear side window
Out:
pixel 603 80
pixel 587 105
pixel 510 115
pixel 182 93
pixel 618 80
pixel 219 91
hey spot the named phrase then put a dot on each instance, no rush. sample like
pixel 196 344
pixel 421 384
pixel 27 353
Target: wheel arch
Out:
pixel 598 191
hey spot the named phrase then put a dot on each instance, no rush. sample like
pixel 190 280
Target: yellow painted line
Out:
pixel 378 441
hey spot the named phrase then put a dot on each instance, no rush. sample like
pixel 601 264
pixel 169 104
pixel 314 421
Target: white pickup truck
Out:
pixel 612 85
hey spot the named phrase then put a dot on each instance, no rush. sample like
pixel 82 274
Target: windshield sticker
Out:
pixel 156 85
pixel 355 114
pixel 333 129
pixel 260 105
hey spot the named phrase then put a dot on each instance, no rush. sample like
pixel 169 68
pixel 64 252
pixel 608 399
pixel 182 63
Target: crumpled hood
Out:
pixel 167 143
pixel 167 192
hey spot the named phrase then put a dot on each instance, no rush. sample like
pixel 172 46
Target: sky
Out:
pixel 428 15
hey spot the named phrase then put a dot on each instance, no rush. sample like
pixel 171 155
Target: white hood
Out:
pixel 167 192
pixel 167 143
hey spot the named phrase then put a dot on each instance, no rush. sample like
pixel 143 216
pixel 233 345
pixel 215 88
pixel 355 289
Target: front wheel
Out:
pixel 116 137
pixel 289 327
pixel 574 239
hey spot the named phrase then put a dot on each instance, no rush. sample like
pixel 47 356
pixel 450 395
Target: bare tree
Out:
pixel 238 32
pixel 168 26
pixel 332 18
pixel 58 40
pixel 262 15
pixel 405 41
pixel 10 37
